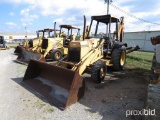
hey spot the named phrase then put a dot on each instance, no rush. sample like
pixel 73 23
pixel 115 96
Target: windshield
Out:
pixel 102 29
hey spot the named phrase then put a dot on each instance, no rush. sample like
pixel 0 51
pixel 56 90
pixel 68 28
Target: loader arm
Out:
pixel 94 55
pixel 38 46
pixel 26 43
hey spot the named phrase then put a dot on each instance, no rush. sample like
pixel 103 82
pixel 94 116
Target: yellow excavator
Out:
pixel 62 83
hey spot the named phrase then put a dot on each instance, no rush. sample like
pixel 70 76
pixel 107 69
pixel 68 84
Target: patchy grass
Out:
pixel 39 104
pixel 13 45
pixel 45 107
pixel 50 109
pixel 141 61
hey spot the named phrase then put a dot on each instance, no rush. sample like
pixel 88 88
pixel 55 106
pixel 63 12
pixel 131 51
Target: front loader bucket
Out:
pixel 18 50
pixel 27 55
pixel 60 86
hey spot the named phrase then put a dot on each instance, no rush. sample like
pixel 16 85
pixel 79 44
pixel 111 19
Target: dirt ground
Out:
pixel 119 92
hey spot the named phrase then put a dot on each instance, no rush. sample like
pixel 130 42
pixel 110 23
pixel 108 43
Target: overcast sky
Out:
pixel 40 14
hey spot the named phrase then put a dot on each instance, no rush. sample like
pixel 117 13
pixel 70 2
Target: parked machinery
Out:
pixel 3 43
pixel 29 44
pixel 53 46
pixel 60 48
pixel 33 52
pixel 62 83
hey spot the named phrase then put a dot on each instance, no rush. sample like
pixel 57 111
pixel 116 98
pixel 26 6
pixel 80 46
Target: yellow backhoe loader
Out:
pixel 61 83
pixel 53 46
pixel 34 50
pixel 32 44
pixel 60 48
pixel 28 44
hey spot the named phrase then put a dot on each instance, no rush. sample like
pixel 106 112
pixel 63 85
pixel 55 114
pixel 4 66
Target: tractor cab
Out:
pixel 72 33
pixel 50 33
pixel 40 33
pixel 105 22
pixel 48 36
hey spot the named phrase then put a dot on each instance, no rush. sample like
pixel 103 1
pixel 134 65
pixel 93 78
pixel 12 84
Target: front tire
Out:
pixel 98 71
pixel 118 58
pixel 57 55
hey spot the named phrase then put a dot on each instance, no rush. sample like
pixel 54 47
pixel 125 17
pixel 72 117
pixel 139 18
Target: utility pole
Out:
pixel 108 2
pixel 107 7
pixel 26 30
pixel 149 28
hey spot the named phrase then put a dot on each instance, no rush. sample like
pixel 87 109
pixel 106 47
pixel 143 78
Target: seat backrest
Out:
pixel 74 37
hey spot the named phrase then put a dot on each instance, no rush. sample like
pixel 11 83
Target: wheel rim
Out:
pixel 123 56
pixel 102 72
pixel 58 55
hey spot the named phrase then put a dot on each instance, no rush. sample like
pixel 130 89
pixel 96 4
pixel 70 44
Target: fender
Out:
pixel 57 45
pixel 119 44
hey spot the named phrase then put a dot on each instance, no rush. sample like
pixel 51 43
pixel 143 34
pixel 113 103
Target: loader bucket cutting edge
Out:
pixel 26 56
pixel 60 86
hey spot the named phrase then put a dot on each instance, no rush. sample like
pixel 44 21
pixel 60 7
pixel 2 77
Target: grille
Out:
pixel 74 55
pixel 44 43
pixel 30 43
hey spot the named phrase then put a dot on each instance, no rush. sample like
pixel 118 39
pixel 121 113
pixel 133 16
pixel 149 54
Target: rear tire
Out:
pixel 98 71
pixel 57 55
pixel 118 58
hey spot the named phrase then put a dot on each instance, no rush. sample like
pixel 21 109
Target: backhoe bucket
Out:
pixel 60 86
pixel 27 55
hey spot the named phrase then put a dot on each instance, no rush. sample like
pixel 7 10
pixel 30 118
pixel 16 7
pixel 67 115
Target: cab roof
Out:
pixel 40 31
pixel 105 18
pixel 50 29
pixel 69 27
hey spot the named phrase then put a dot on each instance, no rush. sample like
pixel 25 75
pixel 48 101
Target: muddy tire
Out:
pixel 98 71
pixel 56 55
pixel 118 58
